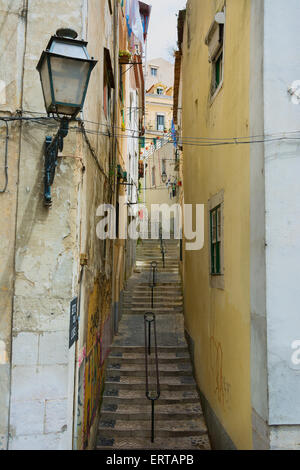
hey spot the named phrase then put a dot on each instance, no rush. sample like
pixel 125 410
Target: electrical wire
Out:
pixel 101 169
pixel 185 138
pixel 191 141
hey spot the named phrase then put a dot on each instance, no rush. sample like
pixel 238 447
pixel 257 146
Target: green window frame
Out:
pixel 219 71
pixel 216 240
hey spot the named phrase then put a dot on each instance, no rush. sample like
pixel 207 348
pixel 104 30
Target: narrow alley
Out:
pixel 150 230
pixel 125 420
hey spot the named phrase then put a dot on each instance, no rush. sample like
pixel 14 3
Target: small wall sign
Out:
pixel 73 334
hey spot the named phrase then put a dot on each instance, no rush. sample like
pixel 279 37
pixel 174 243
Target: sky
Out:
pixel 163 27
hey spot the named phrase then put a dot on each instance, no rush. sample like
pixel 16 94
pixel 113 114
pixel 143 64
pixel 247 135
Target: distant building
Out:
pixel 161 172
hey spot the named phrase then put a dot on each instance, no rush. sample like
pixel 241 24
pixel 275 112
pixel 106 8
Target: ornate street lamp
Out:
pixel 164 177
pixel 65 69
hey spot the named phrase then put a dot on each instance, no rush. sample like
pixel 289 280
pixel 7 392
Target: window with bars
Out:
pixel 216 240
pixel 160 122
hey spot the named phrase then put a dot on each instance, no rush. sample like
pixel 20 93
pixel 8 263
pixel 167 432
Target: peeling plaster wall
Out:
pixel 46 245
pixel 12 31
pixel 40 248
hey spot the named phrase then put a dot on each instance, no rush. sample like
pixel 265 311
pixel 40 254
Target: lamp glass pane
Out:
pixel 69 50
pixel 45 78
pixel 69 80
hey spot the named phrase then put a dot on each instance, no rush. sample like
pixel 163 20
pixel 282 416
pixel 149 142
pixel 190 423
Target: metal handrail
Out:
pixel 153 280
pixel 150 318
pixel 160 235
pixel 162 247
pixel 163 254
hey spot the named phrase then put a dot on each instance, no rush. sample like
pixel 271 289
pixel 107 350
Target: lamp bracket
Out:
pixel 53 145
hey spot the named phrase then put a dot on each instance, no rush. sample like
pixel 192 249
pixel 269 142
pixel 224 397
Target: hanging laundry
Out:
pixel 134 20
pixel 173 132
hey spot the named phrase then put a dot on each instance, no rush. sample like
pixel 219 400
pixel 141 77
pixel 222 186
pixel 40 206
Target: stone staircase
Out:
pixel 125 421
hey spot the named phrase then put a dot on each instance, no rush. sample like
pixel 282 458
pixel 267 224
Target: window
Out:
pixel 108 83
pixel 164 168
pixel 160 122
pixel 130 108
pixel 215 42
pixel 160 90
pixel 218 72
pixel 121 86
pixel 153 72
pixel 130 188
pixel 106 95
pixel 216 239
pixel 117 219
pixel 153 176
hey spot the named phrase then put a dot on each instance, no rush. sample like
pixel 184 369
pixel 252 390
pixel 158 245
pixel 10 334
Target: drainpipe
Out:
pixel 118 285
pixel 113 196
pixel 145 79
pixel 24 20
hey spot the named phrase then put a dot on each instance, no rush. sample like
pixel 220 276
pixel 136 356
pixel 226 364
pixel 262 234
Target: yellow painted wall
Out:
pixel 219 320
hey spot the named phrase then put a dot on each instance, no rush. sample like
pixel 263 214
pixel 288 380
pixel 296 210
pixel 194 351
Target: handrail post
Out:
pixel 149 318
pixel 152 421
pixel 163 253
pixel 153 281
pixel 163 257
pixel 149 337
pixel 152 296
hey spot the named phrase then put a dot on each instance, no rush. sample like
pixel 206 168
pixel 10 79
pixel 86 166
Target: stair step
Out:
pixel 112 428
pixel 169 263
pixel 166 302
pixel 156 304
pixel 137 370
pixel 158 290
pixel 169 260
pixel 146 415
pixel 125 411
pixel 168 367
pixel 138 397
pixel 166 383
pixel 160 285
pixel 158 295
pixel 140 359
pixel 140 349
pixel 156 311
pixel 182 443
